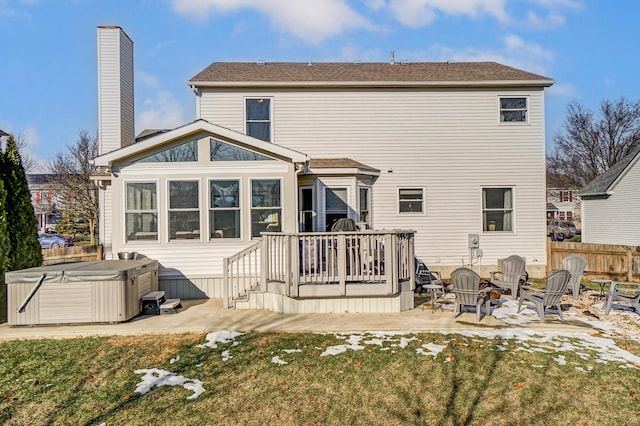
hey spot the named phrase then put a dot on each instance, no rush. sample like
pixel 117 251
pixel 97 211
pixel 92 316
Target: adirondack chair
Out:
pixel 466 287
pixel 550 296
pixel 576 265
pixel 511 274
pixel 629 293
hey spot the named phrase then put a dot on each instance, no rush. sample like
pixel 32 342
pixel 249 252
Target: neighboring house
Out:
pixel 610 204
pixel 443 149
pixel 563 204
pixel 44 201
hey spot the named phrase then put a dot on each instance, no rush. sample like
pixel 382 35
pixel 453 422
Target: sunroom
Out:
pixel 228 215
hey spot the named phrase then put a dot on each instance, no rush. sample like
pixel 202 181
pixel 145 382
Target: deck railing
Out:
pixel 367 263
pixel 241 273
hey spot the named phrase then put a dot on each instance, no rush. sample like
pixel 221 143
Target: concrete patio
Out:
pixel 207 315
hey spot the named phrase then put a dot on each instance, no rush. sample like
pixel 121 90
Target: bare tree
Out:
pixel 589 144
pixel 72 183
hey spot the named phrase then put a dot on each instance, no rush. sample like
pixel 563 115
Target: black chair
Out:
pixel 424 277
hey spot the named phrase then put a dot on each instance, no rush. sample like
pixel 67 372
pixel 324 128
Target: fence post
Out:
pixel 629 264
pixel 100 253
pixel 549 255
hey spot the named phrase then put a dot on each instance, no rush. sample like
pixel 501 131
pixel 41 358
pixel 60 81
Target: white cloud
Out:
pixel 418 13
pixel 551 20
pixel 160 112
pixel 515 52
pixel 310 21
pixel 147 79
pixel 561 90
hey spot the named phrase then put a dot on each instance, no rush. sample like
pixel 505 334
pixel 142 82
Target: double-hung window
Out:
pixel 266 206
pixel 513 110
pixel 224 209
pixel 497 209
pixel 258 118
pixel 184 209
pixel 141 211
pixel 411 200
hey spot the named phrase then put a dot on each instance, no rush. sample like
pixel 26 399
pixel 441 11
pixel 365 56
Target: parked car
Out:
pixel 569 228
pixel 556 231
pixel 53 241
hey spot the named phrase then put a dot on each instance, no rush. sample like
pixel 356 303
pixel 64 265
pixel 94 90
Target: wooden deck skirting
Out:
pixel 317 265
pixel 608 261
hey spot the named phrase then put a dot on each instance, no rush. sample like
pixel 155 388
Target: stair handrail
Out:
pixel 241 273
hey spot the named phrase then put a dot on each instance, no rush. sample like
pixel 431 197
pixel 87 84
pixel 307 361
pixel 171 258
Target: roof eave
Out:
pixel 396 84
pixel 198 126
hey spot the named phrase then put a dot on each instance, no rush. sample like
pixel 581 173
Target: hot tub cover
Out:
pixel 96 270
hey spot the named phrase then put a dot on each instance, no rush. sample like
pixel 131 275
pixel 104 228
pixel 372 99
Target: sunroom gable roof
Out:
pixel 196 127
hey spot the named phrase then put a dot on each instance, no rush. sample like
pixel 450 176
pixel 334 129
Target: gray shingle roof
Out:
pixel 338 163
pixel 418 73
pixel 601 184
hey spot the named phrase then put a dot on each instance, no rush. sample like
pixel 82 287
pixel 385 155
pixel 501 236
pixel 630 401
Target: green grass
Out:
pixel 92 380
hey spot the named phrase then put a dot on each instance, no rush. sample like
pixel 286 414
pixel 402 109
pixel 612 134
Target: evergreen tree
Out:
pixel 21 220
pixel 5 247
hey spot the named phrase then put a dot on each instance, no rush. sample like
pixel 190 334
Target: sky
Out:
pixel 48 63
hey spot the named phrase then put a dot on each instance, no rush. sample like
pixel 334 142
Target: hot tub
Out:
pixel 81 292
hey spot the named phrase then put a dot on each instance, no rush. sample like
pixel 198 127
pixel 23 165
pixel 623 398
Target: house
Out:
pixel 442 160
pixel 44 200
pixel 610 204
pixel 563 204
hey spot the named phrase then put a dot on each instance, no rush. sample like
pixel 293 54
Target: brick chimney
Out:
pixel 115 89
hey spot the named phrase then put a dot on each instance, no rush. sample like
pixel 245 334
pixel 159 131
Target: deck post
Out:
pixel 225 282
pixel 342 263
pixel 293 248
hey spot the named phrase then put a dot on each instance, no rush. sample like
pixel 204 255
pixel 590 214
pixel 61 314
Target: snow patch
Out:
pixel 155 377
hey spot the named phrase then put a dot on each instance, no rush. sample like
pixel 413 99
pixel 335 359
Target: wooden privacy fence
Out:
pixel 615 262
pixel 71 254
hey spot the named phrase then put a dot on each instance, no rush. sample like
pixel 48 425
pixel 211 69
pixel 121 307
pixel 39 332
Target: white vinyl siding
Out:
pixel 115 89
pixel 614 220
pixel 449 140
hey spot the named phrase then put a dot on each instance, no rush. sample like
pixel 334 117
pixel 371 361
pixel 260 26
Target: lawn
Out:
pixel 269 378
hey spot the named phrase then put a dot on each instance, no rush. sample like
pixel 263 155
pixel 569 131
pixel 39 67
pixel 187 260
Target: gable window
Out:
pixel 141 211
pixel 184 210
pixel 221 151
pixel 513 110
pixel 266 206
pixel 258 115
pixel 224 209
pixel 497 209
pixel 410 200
pixel 187 152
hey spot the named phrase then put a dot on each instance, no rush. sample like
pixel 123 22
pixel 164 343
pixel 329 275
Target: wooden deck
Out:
pixel 323 265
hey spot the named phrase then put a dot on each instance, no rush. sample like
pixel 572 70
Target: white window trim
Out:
pixel 240 207
pixel 513 210
pixel 271 108
pixel 250 202
pixel 424 201
pixel 124 213
pixel 514 123
pixel 168 210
